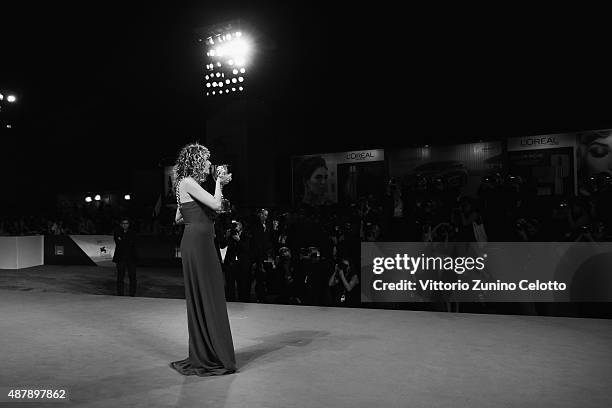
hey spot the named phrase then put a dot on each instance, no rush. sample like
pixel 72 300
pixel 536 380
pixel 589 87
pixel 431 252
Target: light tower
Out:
pixel 6 99
pixel 228 52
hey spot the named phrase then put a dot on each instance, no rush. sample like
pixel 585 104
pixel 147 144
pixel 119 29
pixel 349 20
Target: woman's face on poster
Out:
pixel 317 183
pixel 598 155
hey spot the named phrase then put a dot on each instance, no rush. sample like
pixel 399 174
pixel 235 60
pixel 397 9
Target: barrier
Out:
pixel 21 252
pixel 98 250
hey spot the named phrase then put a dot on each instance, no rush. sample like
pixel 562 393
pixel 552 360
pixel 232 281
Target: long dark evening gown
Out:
pixel 211 349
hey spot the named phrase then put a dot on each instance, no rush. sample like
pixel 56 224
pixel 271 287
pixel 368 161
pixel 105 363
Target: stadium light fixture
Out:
pixel 228 53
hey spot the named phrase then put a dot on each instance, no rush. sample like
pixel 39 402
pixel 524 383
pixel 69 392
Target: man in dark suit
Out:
pixel 261 245
pixel 237 265
pixel 125 256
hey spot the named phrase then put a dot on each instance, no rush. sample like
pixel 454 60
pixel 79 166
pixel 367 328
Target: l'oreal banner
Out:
pixel 461 166
pixel 100 248
pixel 330 177
pixel 545 161
pixel 542 142
pixel 486 271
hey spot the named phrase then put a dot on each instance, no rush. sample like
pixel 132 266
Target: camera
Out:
pixel 314 252
pixel 284 253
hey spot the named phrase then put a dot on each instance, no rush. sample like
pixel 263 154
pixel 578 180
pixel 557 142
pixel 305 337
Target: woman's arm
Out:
pixel 349 285
pixel 333 278
pixel 178 218
pixel 203 196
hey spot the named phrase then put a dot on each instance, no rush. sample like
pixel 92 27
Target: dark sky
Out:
pixel 116 85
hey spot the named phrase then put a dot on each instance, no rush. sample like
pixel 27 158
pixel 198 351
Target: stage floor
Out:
pixel 113 351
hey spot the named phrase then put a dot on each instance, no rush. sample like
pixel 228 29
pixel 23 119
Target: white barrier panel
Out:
pixel 100 248
pixel 21 252
pixel 8 252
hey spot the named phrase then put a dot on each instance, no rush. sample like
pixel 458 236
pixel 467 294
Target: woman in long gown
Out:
pixel 211 349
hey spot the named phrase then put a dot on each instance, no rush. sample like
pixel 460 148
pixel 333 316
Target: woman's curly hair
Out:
pixel 191 162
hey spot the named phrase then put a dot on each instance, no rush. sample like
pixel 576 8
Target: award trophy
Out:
pixel 223 169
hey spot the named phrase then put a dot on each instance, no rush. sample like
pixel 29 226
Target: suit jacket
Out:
pixel 125 246
pixel 261 241
pixel 237 251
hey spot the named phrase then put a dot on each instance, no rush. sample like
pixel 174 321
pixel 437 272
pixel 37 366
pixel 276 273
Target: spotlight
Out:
pixel 9 126
pixel 220 83
pixel 233 89
pixel 218 74
pixel 1 97
pixel 214 85
pixel 97 197
pixel 88 199
pixel 127 197
pixel 218 64
pixel 240 88
pixel 206 77
pixel 235 71
pixel 240 79
pixel 11 98
pixel 227 81
pixel 234 80
pixel 242 70
pixel 208 84
pixel 213 92
pixel 231 62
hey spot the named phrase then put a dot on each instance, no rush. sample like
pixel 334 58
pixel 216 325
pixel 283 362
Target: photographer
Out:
pixel 315 268
pixel 236 264
pixel 260 253
pixel 291 284
pixel 344 285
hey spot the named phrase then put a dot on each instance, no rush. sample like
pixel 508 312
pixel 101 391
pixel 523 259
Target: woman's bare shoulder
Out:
pixel 189 181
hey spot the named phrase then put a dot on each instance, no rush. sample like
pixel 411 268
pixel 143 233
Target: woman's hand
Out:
pixel 224 178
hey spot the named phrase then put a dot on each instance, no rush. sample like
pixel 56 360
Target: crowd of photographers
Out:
pixel 310 255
